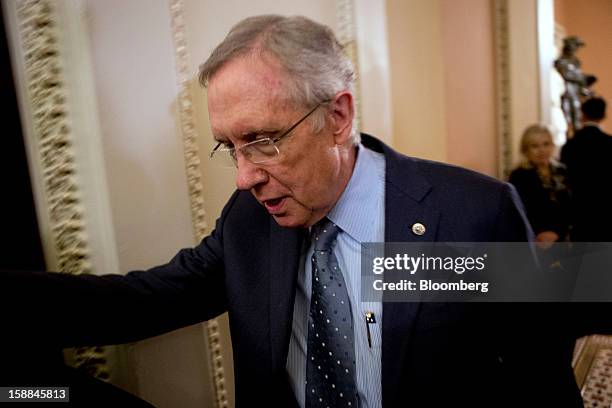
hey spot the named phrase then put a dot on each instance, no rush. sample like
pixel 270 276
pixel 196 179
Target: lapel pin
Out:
pixel 418 229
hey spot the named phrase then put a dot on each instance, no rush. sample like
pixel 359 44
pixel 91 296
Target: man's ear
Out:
pixel 342 113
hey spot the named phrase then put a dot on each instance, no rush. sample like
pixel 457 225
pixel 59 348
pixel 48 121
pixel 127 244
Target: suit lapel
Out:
pixel 285 251
pixel 405 196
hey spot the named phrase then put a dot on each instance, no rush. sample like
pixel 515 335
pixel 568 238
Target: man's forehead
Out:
pixel 245 94
pixel 248 75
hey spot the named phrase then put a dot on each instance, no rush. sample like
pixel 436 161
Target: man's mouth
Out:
pixel 274 205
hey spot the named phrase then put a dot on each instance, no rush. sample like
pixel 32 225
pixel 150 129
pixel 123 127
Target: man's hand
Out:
pixel 546 239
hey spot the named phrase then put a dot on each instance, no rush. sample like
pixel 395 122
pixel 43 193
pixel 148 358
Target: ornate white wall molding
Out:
pixel 51 128
pixel 504 107
pixel 38 47
pixel 194 181
pixel 347 37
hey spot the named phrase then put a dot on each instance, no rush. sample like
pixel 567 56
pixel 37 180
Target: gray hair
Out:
pixel 308 51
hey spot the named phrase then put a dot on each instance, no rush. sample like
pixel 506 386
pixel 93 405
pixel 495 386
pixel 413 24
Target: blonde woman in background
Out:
pixel 541 182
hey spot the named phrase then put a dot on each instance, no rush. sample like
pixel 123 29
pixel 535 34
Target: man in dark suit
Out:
pixel 587 157
pixel 281 106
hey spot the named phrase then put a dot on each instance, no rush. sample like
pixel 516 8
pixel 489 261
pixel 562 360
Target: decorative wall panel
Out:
pixel 504 108
pixel 51 137
pixel 194 180
pixel 347 37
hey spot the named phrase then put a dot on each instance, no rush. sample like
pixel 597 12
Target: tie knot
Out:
pixel 324 234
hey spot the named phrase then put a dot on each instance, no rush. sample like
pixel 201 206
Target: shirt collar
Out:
pixel 594 124
pixel 362 198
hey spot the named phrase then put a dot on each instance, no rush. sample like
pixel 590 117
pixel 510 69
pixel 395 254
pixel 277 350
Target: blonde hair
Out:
pixel 530 132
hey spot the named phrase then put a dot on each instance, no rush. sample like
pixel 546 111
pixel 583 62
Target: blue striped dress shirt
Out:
pixel 360 213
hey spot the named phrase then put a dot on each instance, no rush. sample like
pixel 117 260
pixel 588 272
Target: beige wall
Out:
pixel 417 78
pixel 443 81
pixel 561 15
pixel 591 20
pixel 469 84
pixel 524 69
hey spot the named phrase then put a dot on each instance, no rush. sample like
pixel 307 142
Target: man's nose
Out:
pixel 249 175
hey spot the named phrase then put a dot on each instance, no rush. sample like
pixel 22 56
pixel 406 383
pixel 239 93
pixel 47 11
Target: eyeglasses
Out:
pixel 258 151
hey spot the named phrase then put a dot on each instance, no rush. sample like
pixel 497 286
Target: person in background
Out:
pixel 587 157
pixel 541 183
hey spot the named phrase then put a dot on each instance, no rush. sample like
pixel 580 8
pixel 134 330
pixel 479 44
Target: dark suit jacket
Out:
pixel 547 207
pixel 587 157
pixel 433 353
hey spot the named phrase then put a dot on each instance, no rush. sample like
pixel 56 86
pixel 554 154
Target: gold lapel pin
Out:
pixel 418 229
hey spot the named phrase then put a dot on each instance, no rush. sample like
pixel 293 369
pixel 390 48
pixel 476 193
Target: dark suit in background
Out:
pixel 588 157
pixel 547 205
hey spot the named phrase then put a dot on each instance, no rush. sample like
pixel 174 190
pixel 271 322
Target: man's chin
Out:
pixel 288 221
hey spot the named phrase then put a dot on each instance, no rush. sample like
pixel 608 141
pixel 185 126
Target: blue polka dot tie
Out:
pixel 330 369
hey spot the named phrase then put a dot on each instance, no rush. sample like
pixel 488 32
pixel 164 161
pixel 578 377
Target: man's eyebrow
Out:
pixel 254 133
pixel 221 140
pixel 246 135
pixel 259 131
